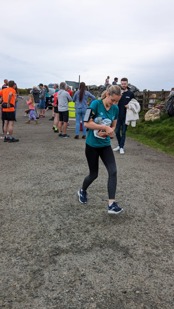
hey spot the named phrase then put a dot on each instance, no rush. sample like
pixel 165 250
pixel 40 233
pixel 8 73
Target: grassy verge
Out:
pixel 158 134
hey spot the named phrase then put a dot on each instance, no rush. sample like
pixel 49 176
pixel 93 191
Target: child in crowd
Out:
pixel 31 107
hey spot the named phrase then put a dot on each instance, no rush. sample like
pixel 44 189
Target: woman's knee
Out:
pixel 113 173
pixel 93 176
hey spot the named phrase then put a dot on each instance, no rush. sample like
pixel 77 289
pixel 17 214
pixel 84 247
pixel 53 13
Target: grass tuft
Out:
pixel 158 134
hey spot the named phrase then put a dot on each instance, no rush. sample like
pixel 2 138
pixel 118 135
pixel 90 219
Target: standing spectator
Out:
pixel 36 92
pixel 63 99
pixel 99 146
pixel 81 103
pixel 55 109
pixel 8 111
pixel 42 97
pixel 5 85
pixel 68 88
pixel 115 81
pixel 17 96
pixel 48 97
pixel 107 83
pixel 121 127
pixel 56 88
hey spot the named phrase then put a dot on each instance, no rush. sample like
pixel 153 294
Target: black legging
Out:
pixel 107 156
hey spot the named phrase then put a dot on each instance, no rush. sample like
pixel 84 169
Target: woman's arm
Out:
pixel 75 96
pixel 113 126
pixel 94 126
pixel 91 96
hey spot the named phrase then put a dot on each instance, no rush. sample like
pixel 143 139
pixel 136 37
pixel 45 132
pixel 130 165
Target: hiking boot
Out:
pixel 116 149
pixel 13 140
pixel 82 196
pixel 121 151
pixel 114 209
pixel 76 136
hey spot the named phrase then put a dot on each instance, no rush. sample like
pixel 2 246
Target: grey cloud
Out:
pixel 92 38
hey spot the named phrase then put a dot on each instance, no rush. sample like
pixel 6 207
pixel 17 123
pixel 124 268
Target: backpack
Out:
pixel 170 106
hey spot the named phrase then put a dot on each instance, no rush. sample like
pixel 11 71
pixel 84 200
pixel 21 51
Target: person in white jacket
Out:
pixel 132 112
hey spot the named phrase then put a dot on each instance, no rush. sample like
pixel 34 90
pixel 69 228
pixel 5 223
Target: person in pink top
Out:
pixel 32 111
pixel 55 107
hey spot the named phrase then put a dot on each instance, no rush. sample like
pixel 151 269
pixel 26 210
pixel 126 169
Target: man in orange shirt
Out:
pixel 8 111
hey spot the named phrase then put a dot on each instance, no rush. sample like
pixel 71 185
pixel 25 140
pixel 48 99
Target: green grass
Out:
pixel 158 134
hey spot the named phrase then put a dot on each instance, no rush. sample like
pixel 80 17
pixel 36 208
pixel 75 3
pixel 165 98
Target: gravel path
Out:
pixel 59 254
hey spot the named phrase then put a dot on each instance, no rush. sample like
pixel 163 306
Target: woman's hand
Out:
pixel 102 133
pixel 112 135
pixel 109 131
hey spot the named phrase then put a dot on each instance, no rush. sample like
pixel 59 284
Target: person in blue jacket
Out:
pixel 81 98
pixel 101 125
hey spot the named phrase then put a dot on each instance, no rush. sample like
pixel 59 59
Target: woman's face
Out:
pixel 112 99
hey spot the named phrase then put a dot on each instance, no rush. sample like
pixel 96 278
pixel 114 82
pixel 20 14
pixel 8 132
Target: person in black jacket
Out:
pixel 121 127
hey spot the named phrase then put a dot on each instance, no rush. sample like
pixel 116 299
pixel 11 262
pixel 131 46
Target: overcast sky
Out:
pixel 53 41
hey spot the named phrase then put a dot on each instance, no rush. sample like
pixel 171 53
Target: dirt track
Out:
pixel 57 253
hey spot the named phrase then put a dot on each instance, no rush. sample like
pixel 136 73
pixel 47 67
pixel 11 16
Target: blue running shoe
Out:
pixel 82 196
pixel 114 209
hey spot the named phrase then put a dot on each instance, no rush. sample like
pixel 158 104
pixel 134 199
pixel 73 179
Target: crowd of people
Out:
pixel 101 119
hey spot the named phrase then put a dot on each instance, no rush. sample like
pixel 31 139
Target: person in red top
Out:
pixel 68 88
pixel 8 110
pixel 56 113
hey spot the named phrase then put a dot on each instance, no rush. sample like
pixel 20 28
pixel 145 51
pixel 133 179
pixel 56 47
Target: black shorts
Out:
pixel 56 110
pixel 64 116
pixel 9 116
